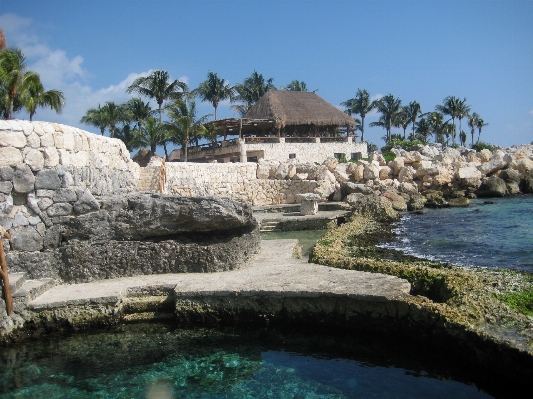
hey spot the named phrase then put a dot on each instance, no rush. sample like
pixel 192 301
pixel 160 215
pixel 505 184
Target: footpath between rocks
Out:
pixel 276 288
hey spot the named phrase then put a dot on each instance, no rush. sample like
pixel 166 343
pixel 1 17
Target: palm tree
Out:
pixel 184 126
pixel 35 96
pixel 472 124
pixel 3 43
pixel 296 85
pixel 402 120
pixel 450 106
pixel 126 134
pixel 14 78
pixel 251 90
pixel 158 86
pixel 214 90
pixel 389 107
pixel 138 111
pixel 360 105
pixel 113 114
pixel 462 111
pixel 151 135
pixel 95 117
pixel 413 110
pixel 480 123
pixel 423 130
pixel 436 123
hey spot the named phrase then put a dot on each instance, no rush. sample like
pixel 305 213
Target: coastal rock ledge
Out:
pixel 140 234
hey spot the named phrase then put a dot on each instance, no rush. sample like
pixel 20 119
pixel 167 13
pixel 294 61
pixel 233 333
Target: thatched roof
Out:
pixel 290 108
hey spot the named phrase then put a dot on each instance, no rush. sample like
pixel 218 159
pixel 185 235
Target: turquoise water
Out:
pixel 498 235
pixel 159 361
pixel 306 238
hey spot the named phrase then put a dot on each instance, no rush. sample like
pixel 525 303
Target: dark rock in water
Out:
pixel 459 202
pixel 489 202
pixel 492 187
pixel 526 184
pixel 434 199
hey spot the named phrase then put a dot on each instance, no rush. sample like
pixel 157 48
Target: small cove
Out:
pixel 137 359
pixel 496 234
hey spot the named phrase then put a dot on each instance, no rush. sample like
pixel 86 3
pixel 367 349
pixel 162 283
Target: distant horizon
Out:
pixel 418 51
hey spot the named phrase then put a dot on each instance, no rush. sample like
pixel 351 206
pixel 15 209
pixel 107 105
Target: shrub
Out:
pixel 371 147
pixel 389 156
pixel 407 145
pixel 481 145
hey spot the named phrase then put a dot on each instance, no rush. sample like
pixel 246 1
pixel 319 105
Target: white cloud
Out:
pixel 375 97
pixel 58 70
pixel 531 112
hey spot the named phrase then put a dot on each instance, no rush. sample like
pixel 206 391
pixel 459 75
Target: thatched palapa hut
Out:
pixel 299 113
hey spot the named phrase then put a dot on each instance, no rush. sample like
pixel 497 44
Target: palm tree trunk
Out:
pixel 185 146
pixel 152 148
pixel 165 149
pixel 362 128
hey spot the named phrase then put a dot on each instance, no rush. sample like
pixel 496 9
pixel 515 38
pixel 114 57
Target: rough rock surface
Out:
pixel 140 234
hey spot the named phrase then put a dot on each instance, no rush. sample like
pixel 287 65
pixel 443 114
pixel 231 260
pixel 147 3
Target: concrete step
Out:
pixel 16 280
pixel 269 225
pixel 30 290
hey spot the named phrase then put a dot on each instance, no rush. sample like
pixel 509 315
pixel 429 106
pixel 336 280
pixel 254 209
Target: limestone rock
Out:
pixel 34 159
pixel 282 171
pixel 459 202
pixel 492 187
pixel 398 202
pixel 87 203
pixel 139 216
pixel 434 199
pixel 10 156
pixel 371 171
pixel 406 174
pixel 374 206
pixel 350 188
pixel 396 164
pixel 341 173
pixel 331 163
pixel 526 183
pixel 385 172
pixel 495 163
pixel 416 202
pixel 26 240
pixel 48 179
pixel 15 139
pixel 23 179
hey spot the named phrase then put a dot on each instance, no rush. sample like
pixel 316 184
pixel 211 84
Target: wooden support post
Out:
pixel 240 128
pixel 3 273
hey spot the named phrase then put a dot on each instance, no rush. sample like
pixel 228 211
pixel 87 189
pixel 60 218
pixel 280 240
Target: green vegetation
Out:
pixel 20 88
pixel 407 145
pixel 521 301
pixel 480 145
pixel 468 297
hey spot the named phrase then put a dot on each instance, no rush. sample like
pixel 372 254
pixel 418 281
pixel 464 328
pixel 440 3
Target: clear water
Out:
pixel 306 238
pixel 159 361
pixel 498 235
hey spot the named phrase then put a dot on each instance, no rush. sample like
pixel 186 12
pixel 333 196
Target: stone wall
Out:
pixel 279 149
pixel 50 171
pixel 235 181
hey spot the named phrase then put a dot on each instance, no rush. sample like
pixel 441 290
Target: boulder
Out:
pixel 459 202
pixel 406 174
pixel 371 171
pixel 23 179
pixel 282 171
pixel 140 216
pixel 526 183
pixel 397 164
pixel 375 206
pixel 398 202
pixel 350 188
pixel 385 172
pixel 416 202
pixel 341 173
pixel 331 163
pixel 492 187
pixel 434 199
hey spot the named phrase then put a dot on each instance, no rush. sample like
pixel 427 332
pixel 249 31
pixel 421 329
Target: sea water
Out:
pixel 496 234
pixel 160 361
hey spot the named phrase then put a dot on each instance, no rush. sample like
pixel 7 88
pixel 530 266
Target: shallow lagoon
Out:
pixel 146 360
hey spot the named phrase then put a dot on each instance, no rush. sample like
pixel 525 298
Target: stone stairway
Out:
pixel 269 225
pixel 23 291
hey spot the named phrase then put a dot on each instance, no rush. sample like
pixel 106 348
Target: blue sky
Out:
pixel 416 50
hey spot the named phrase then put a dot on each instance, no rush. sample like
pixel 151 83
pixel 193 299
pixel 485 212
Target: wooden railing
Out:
pixel 3 272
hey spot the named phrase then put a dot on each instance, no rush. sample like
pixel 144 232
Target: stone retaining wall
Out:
pixel 49 171
pixel 235 181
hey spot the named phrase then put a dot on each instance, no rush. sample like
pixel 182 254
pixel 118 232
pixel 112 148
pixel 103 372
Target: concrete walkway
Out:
pixel 274 271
